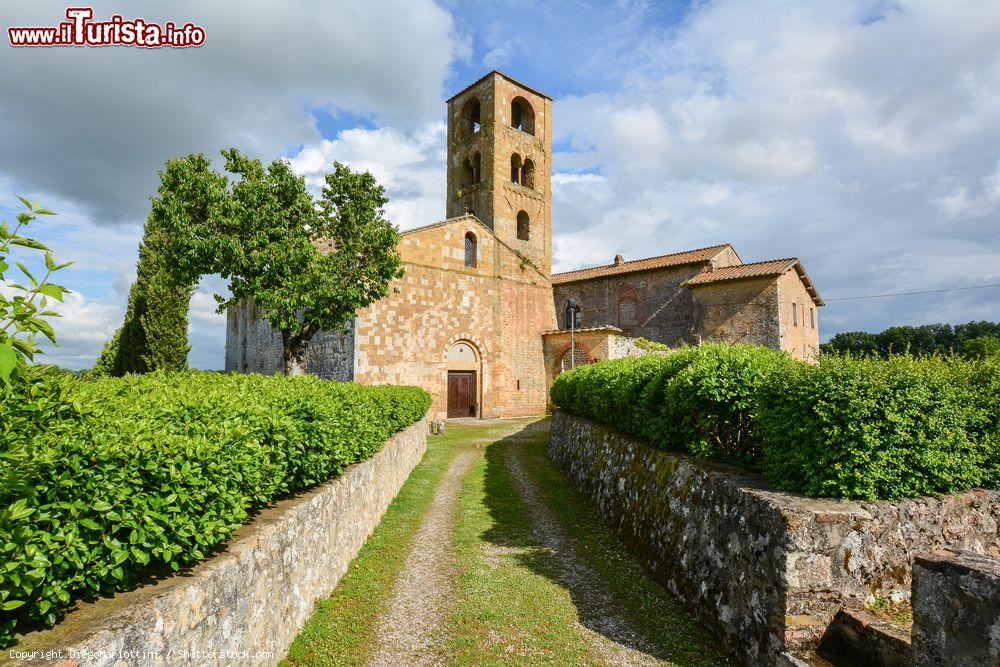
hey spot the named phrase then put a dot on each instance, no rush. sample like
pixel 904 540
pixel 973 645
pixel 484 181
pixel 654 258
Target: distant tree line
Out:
pixel 973 339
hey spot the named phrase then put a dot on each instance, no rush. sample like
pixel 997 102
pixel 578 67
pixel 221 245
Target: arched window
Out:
pixel 515 168
pixel 468 173
pixel 573 314
pixel 522 116
pixel 470 249
pixel 523 226
pixel 528 174
pixel 470 117
pixel 477 162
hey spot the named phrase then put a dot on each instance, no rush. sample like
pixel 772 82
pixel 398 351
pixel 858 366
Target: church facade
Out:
pixel 479 320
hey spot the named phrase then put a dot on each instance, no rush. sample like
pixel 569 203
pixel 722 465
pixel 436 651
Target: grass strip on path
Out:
pixel 341 631
pixel 505 611
pixel 679 637
pixel 510 608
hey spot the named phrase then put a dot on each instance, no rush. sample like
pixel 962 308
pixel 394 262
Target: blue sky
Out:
pixel 858 136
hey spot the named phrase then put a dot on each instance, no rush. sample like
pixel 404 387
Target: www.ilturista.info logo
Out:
pixel 79 30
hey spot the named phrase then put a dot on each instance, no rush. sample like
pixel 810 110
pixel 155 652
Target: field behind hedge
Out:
pixel 104 479
pixel 846 427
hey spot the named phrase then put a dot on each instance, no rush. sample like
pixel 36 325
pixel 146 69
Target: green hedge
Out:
pixel 104 479
pixel 846 427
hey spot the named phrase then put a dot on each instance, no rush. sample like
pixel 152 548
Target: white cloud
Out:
pixel 94 124
pixel 860 136
pixel 409 163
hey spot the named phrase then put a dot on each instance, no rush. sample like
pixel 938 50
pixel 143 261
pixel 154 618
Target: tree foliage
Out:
pixel 154 333
pixel 309 265
pixel 23 305
pixel 925 339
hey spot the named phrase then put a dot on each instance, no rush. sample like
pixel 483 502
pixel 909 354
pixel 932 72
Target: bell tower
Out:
pixel 500 163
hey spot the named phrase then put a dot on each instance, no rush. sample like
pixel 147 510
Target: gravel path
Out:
pixel 601 621
pixel 406 633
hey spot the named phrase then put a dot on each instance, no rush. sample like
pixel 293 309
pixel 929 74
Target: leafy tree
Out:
pixel 924 339
pixel 855 342
pixel 308 265
pixel 981 347
pixel 154 333
pixel 23 313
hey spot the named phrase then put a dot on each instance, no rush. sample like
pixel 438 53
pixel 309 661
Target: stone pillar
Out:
pixel 956 609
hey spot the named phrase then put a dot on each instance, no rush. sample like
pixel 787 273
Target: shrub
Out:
pixel 159 469
pixel 869 428
pixel 708 406
pixel 847 427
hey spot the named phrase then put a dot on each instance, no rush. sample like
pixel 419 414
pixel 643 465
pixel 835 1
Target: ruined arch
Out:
pixel 627 307
pixel 567 359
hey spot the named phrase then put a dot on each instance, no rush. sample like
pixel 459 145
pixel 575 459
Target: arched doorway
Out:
pixel 463 380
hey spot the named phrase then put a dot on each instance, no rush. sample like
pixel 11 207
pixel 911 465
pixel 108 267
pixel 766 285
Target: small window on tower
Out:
pixel 477 162
pixel 522 116
pixel 812 318
pixel 470 249
pixel 523 226
pixel 795 314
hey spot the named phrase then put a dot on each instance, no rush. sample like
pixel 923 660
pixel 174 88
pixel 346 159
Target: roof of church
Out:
pixel 764 269
pixel 446 221
pixel 498 72
pixel 696 256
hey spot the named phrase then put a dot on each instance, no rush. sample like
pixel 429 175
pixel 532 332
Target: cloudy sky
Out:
pixel 862 137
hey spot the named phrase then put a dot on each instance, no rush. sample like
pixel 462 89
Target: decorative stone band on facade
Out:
pixel 768 569
pixel 246 604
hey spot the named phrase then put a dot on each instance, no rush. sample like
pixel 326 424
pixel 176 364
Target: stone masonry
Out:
pixel 768 569
pixel 956 609
pixel 245 605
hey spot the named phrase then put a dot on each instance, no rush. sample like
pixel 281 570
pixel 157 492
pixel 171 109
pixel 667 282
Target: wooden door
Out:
pixel 461 394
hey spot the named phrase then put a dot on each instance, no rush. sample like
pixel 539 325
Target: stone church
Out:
pixel 479 319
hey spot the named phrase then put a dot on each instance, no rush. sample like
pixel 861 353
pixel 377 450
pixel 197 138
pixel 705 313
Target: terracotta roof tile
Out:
pixel 770 267
pixel 661 261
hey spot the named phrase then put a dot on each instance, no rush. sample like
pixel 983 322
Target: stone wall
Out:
pixel 245 605
pixel 956 609
pixel 769 569
pixel 744 311
pixel 253 346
